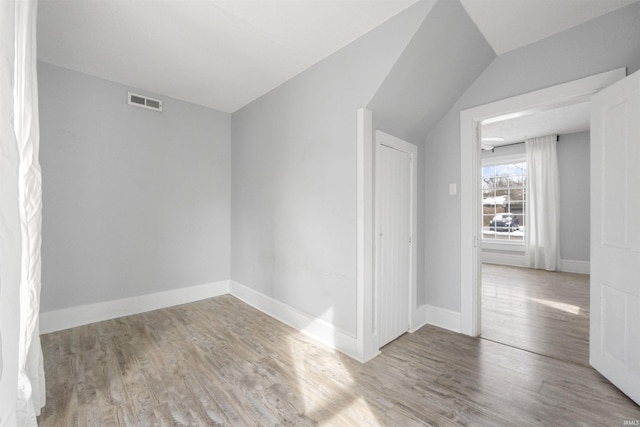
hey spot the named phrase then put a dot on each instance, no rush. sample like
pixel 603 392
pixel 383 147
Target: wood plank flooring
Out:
pixel 536 310
pixel 221 362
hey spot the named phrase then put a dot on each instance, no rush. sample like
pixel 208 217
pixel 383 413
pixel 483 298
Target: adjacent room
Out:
pixel 267 212
pixel 543 310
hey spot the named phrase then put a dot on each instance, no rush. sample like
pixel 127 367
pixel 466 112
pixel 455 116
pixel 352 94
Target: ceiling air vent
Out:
pixel 145 102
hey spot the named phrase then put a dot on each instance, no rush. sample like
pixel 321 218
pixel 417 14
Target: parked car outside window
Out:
pixel 504 222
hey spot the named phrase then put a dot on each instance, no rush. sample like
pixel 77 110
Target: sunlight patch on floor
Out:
pixel 568 308
pixel 327 394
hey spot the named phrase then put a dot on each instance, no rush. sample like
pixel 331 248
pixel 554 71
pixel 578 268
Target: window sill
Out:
pixel 503 246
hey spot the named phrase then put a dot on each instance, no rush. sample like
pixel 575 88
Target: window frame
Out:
pixel 495 244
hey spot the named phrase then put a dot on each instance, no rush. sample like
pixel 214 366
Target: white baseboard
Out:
pixel 318 329
pixel 566 265
pixel 66 318
pixel 443 318
pixel 419 318
pixel 503 259
pixel 571 266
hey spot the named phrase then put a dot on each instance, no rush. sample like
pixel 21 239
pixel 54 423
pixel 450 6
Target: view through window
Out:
pixel 503 201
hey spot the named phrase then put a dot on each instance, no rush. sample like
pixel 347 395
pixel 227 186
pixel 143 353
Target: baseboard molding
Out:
pixel 503 259
pixel 66 318
pixel 419 318
pixel 318 329
pixel 572 266
pixel 443 318
pixel 566 265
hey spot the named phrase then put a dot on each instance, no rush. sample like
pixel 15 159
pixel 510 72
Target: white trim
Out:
pixel 71 317
pixel 470 120
pixel 443 318
pixel 503 259
pixel 436 316
pixel 573 266
pixel 367 347
pixel 471 223
pixel 391 141
pixel 419 318
pixel 565 266
pixel 503 245
pixel 318 329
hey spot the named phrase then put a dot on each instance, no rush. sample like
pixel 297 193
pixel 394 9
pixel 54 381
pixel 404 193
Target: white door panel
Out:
pixel 394 224
pixel 615 235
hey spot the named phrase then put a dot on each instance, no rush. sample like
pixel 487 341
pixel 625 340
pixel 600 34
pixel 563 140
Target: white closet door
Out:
pixel 394 189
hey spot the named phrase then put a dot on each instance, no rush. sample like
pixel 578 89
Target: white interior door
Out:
pixel 615 235
pixel 395 184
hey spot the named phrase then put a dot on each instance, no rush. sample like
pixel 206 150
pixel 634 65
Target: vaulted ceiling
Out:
pixel 510 24
pixel 225 53
pixel 219 53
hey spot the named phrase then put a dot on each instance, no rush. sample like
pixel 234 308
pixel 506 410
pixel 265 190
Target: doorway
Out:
pixel 616 101
pixel 471 121
pixel 535 310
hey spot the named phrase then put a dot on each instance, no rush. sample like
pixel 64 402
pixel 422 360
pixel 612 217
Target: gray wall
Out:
pixel 600 45
pixel 134 201
pixel 574 177
pixel 444 57
pixel 294 181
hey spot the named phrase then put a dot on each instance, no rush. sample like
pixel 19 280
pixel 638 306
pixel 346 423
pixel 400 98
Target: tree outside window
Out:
pixel 503 201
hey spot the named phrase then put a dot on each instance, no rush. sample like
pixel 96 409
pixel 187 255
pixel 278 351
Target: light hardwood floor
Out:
pixel 221 362
pixel 536 310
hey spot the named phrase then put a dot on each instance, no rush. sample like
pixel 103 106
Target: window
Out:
pixel 503 201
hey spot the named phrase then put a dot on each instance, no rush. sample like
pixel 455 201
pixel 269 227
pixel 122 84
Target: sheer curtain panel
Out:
pixel 542 231
pixel 22 392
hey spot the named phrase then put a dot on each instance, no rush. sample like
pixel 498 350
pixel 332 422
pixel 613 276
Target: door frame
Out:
pixel 382 138
pixel 366 338
pixel 470 122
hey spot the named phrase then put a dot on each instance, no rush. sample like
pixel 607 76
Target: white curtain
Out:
pixel 542 230
pixel 22 391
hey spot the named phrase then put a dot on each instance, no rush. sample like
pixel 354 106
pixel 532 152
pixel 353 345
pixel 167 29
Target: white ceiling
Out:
pixel 560 121
pixel 219 53
pixel 225 53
